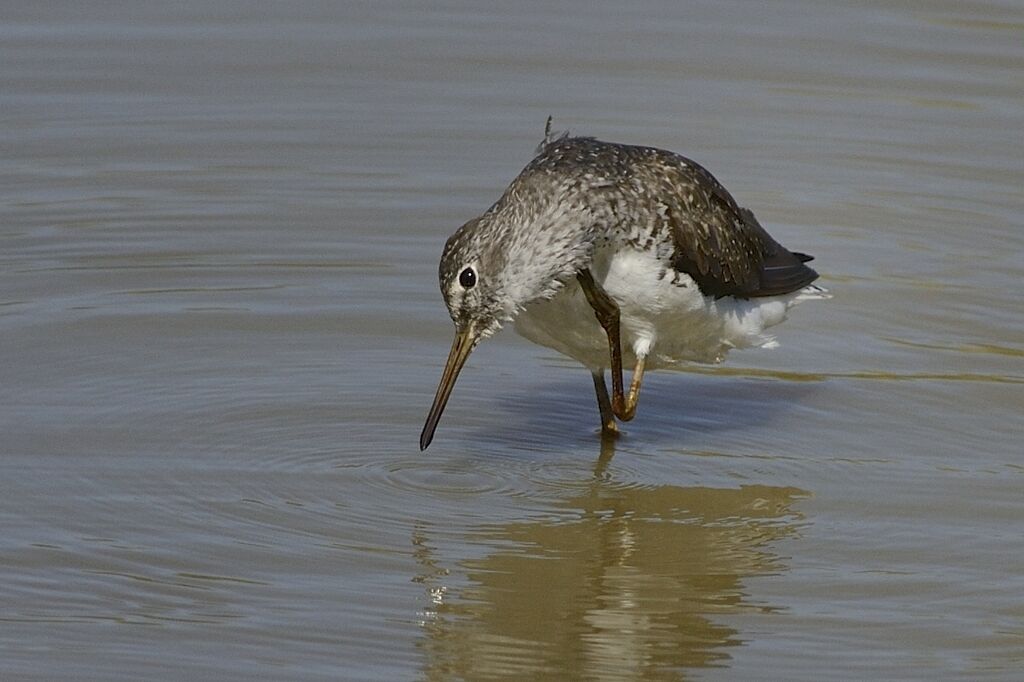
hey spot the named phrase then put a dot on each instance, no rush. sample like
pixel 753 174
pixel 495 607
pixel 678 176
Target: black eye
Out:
pixel 467 278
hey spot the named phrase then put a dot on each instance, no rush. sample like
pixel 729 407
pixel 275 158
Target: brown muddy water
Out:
pixel 220 331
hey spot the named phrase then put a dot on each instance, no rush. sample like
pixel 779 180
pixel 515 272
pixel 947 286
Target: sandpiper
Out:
pixel 613 253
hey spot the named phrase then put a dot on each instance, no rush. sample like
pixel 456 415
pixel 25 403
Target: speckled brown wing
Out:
pixel 722 246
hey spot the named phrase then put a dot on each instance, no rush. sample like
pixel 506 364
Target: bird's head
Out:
pixel 472 281
pixel 523 249
pixel 473 286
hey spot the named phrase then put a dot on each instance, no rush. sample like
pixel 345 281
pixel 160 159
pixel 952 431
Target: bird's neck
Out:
pixel 540 259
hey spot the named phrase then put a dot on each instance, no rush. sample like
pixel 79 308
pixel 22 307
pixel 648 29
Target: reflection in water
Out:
pixel 622 581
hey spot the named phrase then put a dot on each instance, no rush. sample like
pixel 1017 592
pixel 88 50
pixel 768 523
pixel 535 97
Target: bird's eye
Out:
pixel 467 278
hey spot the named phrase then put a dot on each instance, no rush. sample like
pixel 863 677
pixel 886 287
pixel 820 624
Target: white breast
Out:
pixel 663 316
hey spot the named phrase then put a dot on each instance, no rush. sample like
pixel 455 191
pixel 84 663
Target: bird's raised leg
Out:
pixel 629 407
pixel 607 312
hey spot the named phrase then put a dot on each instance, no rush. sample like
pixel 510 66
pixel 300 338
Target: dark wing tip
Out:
pixel 783 273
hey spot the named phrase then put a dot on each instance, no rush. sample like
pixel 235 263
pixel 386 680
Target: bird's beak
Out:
pixel 465 341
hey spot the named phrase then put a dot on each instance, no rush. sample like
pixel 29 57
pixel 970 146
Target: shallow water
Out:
pixel 221 330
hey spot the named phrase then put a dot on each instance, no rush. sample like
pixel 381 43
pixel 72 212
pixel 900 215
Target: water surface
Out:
pixel 221 330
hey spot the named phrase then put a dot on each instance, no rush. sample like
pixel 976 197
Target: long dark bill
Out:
pixel 465 340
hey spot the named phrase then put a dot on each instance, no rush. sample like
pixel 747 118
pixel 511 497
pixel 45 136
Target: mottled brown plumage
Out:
pixel 719 244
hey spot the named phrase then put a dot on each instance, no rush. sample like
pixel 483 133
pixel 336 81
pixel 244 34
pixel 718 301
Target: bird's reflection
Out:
pixel 620 581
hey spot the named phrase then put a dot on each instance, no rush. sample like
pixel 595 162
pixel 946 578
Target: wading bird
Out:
pixel 612 254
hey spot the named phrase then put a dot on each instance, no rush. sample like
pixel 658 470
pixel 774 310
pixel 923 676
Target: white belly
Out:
pixel 665 318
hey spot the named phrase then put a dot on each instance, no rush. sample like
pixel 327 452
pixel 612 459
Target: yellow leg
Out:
pixel 627 408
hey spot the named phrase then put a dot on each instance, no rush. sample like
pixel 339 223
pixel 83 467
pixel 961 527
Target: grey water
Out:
pixel 220 331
